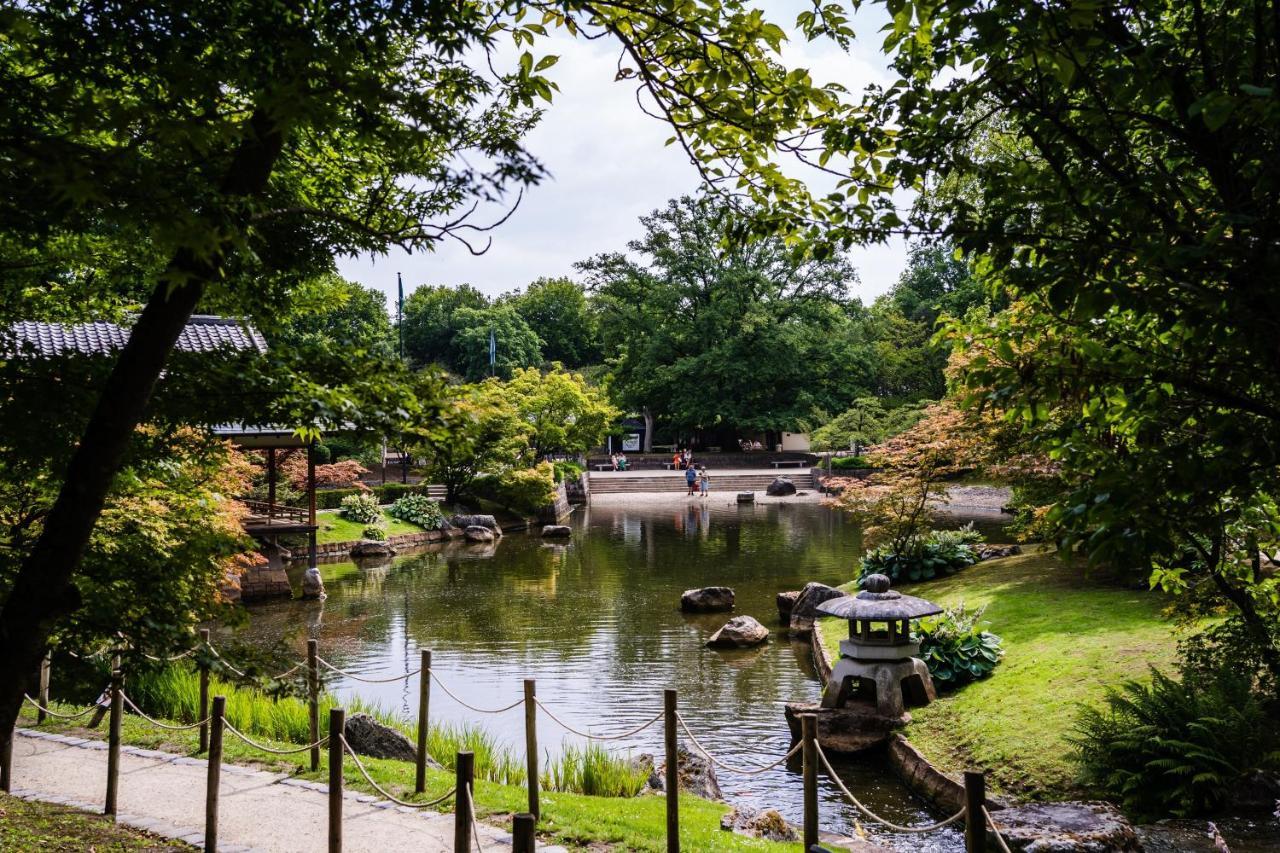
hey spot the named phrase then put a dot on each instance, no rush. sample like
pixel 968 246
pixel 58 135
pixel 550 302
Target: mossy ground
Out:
pixel 575 820
pixel 43 827
pixel 335 528
pixel 1068 635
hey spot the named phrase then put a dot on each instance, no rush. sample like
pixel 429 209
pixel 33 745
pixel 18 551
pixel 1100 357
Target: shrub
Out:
pixel 376 532
pixel 956 650
pixel 1176 747
pixel 966 535
pixel 849 463
pixel 362 508
pixel 419 510
pixel 525 490
pixel 567 471
pixel 922 560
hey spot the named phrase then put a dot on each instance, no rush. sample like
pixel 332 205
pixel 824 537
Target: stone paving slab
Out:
pixel 258 812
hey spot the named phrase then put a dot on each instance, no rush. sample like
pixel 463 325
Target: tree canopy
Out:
pixel 556 310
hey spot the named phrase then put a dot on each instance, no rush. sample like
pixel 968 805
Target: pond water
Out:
pixel 596 621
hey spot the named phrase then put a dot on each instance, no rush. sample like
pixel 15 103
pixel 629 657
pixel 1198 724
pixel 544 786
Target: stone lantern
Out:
pixel 878 662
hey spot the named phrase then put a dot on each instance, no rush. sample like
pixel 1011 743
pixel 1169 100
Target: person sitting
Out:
pixel 621 463
pixel 613 460
pixel 675 459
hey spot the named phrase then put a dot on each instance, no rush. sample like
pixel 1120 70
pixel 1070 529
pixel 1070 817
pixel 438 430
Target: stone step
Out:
pixel 727 483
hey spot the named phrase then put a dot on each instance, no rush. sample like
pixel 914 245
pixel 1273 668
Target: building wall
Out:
pixel 795 441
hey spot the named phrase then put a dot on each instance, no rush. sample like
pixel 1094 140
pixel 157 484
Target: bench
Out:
pixel 603 466
pixel 789 463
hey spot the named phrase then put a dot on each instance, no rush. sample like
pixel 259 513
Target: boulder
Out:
pixel 740 632
pixel 476 533
pixel 369 737
pixel 757 823
pixel 313 585
pixel 697 775
pixel 1066 827
pixel 486 521
pixel 805 610
pixel 708 599
pixel 746 497
pixel 372 548
pixel 786 603
pixel 556 531
pixel 991 552
pixel 781 487
pixel 1181 836
pixel 852 728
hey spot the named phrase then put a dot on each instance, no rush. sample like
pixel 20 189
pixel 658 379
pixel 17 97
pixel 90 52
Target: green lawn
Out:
pixel 335 528
pixel 576 820
pixel 42 827
pixel 1067 635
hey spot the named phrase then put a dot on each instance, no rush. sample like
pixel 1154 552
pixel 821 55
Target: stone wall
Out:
pixel 559 509
pixel 263 579
pixel 342 550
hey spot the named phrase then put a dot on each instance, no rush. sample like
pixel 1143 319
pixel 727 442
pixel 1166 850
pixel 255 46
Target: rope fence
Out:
pixel 212 725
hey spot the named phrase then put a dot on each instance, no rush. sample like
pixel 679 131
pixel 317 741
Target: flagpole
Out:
pixel 400 312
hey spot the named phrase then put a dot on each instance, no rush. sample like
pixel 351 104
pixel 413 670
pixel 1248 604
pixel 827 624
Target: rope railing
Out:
pixel 455 698
pixel 475 825
pixel 589 736
pixel 253 743
pixel 1004 848
pixel 53 713
pixel 213 651
pixel 155 722
pixel 933 827
pixel 288 672
pixel 383 791
pixel 188 653
pixel 355 677
pixel 741 771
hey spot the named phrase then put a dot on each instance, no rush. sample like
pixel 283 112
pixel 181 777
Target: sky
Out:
pixel 608 166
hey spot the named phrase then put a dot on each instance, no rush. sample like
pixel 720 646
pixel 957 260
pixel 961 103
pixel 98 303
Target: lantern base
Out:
pixel 893 686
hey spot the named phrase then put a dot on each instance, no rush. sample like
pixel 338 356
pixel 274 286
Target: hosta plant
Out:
pixel 376 532
pixel 361 508
pixel 418 509
pixel 956 648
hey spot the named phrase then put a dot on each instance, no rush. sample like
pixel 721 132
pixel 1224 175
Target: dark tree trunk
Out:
pixel 648 429
pixel 44 591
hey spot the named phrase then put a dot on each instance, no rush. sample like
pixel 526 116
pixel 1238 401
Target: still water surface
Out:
pixel 596 621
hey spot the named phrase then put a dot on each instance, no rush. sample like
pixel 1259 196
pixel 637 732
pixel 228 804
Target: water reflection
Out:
pixel 595 620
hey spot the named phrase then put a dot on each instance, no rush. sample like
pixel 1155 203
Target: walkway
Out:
pixel 164 793
pixel 722 480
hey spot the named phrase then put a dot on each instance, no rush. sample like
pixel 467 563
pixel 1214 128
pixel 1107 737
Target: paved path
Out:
pixel 164 793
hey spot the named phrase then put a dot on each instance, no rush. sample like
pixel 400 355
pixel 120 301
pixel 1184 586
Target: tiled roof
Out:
pixel 204 333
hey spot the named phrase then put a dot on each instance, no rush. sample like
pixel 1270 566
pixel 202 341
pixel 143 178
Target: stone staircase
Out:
pixel 736 481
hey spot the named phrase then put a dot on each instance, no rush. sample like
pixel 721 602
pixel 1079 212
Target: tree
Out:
pixel 515 344
pixel 858 425
pixel 567 416
pixel 342 314
pixel 710 333
pixel 428 321
pixel 557 312
pixel 487 435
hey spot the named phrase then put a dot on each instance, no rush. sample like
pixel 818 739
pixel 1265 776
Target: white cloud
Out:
pixel 608 166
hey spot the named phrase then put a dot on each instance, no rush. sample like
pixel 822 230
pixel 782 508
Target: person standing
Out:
pixel 704 482
pixel 691 479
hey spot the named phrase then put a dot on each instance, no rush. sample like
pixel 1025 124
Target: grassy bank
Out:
pixel 571 819
pixel 42 827
pixel 335 528
pixel 1067 636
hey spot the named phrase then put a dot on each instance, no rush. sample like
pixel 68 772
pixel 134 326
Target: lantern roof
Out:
pixel 877 603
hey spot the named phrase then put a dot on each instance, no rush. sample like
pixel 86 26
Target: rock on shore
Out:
pixel 805 609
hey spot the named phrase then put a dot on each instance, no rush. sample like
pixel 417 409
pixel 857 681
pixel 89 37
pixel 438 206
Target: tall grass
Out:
pixel 174 693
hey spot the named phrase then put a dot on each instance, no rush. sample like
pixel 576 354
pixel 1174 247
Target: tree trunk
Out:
pixel 44 591
pixel 648 429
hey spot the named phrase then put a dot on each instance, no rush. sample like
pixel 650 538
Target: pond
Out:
pixel 596 621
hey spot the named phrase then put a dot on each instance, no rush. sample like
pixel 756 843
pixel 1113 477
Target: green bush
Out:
pixel 1177 747
pixel 419 510
pixel 332 498
pixel 525 490
pixel 955 648
pixel 376 532
pixel 361 508
pixel 848 463
pixel 567 471
pixel 940 553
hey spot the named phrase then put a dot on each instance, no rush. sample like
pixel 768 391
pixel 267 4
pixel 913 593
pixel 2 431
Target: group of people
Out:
pixel 620 462
pixel 683 460
pixel 747 445
pixel 695 477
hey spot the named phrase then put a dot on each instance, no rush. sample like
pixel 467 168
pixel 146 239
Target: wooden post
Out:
pixel 975 822
pixel 311 503
pixel 464 777
pixel 424 707
pixel 809 751
pixel 271 483
pixel 215 774
pixel 531 744
pixel 522 834
pixel 313 699
pixel 6 762
pixel 671 739
pixel 46 666
pixel 113 738
pixel 337 725
pixel 204 693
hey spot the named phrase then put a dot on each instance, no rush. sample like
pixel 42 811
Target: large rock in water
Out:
pixel 697 775
pixel 781 487
pixel 313 585
pixel 768 824
pixel 556 531
pixel 486 521
pixel 477 533
pixel 1181 836
pixel 372 548
pixel 853 728
pixel 740 632
pixel 1067 827
pixel 805 609
pixel 369 737
pixel 786 603
pixel 708 599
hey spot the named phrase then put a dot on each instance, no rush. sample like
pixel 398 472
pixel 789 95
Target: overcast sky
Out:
pixel 608 166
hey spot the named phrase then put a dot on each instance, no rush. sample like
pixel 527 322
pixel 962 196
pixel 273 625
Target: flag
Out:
pixel 400 312
pixel 493 350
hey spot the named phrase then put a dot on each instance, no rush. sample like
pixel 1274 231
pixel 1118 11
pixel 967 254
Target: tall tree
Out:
pixel 707 332
pixel 341 313
pixel 428 321
pixel 556 310
pixel 514 343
